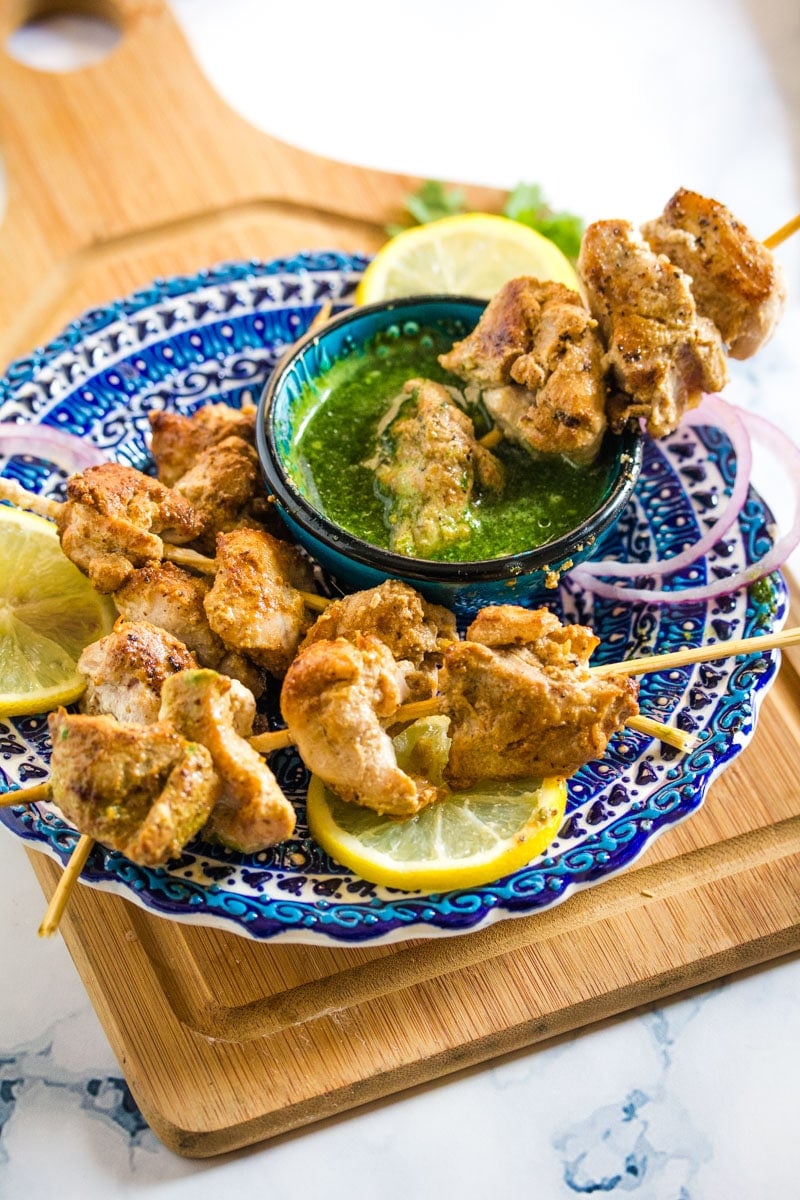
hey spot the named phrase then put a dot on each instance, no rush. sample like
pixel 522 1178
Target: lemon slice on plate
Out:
pixel 48 613
pixel 472 254
pixel 469 838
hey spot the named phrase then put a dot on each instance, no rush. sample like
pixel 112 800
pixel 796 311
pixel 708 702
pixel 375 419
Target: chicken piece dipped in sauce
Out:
pixel 125 671
pixel 255 604
pixel 522 701
pixel 335 698
pixel 251 812
pixel 537 358
pixel 143 790
pixel 660 354
pixel 415 631
pixel 116 519
pixel 178 441
pixel 431 466
pixel 736 281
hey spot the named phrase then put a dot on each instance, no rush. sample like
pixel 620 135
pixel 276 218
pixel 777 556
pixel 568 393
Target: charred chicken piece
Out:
pixel 536 355
pixel 255 604
pixel 172 598
pixel 415 631
pixel 125 671
pixel 522 701
pixel 178 440
pixel 251 812
pixel 143 790
pixel 661 356
pixel 735 279
pixel 334 699
pixel 116 519
pixel 431 466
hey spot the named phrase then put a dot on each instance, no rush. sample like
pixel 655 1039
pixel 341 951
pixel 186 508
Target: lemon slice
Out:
pixel 467 839
pixel 48 613
pixel 472 254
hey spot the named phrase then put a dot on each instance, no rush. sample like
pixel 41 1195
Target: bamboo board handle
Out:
pixel 135 167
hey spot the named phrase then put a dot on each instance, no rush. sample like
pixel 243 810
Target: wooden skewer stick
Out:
pixel 279 739
pixel 183 557
pixel 28 795
pixel 695 654
pixel 58 902
pixel 785 231
pixel 20 497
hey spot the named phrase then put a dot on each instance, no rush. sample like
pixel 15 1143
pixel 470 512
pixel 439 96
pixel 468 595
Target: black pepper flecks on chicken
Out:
pixel 736 281
pixel 660 354
pixel 537 358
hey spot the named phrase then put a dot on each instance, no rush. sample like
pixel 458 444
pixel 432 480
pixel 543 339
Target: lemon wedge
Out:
pixel 48 612
pixel 472 254
pixel 469 838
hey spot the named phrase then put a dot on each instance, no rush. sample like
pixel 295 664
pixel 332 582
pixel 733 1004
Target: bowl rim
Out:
pixel 300 510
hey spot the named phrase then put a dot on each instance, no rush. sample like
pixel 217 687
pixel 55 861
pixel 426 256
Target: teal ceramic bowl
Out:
pixel 527 576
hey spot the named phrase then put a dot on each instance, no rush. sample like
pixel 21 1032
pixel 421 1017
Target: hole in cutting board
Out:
pixel 63 39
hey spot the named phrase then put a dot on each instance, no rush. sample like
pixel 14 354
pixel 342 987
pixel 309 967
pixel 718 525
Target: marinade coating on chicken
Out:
pixel 125 670
pixel 221 484
pixel 736 281
pixel 178 441
pixel 255 604
pixel 415 631
pixel 168 596
pixel 661 356
pixel 116 519
pixel 537 357
pixel 140 789
pixel 334 699
pixel 251 812
pixel 522 702
pixel 431 466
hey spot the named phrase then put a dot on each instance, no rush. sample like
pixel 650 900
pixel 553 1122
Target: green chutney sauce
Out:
pixel 337 434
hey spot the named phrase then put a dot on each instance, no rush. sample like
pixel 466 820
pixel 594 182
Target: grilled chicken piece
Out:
pixel 251 812
pixel 178 441
pixel 114 520
pixel 255 604
pixel 415 631
pixel 221 485
pixel 522 701
pixel 735 279
pixel 334 698
pixel 125 671
pixel 536 355
pixel 431 466
pixel 661 356
pixel 140 789
pixel 172 598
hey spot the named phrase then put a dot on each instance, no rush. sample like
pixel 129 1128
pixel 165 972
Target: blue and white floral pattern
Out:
pixel 187 341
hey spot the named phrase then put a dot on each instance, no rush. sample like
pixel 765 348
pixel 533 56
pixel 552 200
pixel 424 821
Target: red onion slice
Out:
pixel 712 411
pixel 66 450
pixel 768 435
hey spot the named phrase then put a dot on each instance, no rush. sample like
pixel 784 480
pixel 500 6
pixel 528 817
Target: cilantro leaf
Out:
pixel 527 205
pixel 431 201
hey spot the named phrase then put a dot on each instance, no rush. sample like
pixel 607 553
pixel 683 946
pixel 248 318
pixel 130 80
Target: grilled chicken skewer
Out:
pixel 666 305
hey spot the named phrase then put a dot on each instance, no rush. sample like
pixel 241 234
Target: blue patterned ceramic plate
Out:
pixel 187 341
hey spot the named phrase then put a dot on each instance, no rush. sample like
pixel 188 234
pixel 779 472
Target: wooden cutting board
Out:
pixel 134 169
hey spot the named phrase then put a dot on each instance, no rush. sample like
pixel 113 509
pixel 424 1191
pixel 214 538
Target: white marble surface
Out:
pixel 610 107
